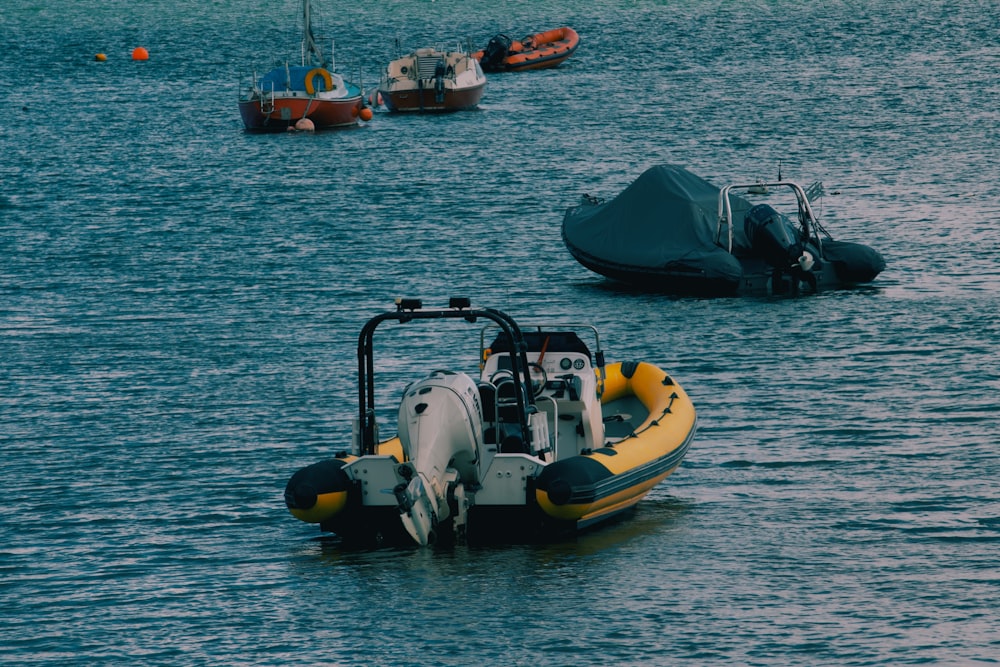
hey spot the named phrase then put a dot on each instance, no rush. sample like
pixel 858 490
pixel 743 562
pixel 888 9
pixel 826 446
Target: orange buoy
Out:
pixel 366 114
pixel 100 57
pixel 305 125
pixel 139 53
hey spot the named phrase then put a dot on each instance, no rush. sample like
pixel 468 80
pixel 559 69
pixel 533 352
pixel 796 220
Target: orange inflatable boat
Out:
pixel 539 51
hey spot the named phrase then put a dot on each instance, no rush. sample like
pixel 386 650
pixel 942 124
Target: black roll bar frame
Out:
pixel 408 310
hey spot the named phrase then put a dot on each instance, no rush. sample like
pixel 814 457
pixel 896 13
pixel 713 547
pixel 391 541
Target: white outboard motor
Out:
pixel 441 431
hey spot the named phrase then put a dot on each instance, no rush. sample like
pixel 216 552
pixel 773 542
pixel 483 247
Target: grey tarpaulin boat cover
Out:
pixel 662 227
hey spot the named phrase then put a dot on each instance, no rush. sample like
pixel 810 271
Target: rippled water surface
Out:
pixel 180 303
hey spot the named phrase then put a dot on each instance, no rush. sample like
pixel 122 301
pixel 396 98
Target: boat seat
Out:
pixel 501 423
pixel 506 399
pixel 488 401
pixel 512 444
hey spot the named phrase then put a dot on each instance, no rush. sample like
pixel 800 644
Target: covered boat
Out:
pixel 672 231
pixel 546 439
pixel 539 51
pixel 308 96
pixel 431 80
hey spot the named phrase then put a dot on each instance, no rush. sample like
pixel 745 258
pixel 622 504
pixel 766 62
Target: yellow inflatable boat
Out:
pixel 544 440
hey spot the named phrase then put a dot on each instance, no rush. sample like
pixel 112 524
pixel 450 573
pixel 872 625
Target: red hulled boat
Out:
pixel 431 80
pixel 306 96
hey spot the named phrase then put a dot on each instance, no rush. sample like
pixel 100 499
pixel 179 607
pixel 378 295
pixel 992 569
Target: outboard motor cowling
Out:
pixel 440 425
pixel 494 53
pixel 441 431
pixel 439 72
pixel 773 237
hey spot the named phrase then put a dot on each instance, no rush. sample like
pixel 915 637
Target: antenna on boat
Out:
pixel 779 170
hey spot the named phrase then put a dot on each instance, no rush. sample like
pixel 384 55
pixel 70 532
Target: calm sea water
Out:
pixel 180 304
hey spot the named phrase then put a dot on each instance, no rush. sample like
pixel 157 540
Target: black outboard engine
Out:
pixel 772 236
pixel 494 53
pixel 439 72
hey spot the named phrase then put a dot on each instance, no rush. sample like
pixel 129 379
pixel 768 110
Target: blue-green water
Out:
pixel 180 303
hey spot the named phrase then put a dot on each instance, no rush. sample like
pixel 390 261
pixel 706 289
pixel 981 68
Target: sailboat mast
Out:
pixel 311 53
